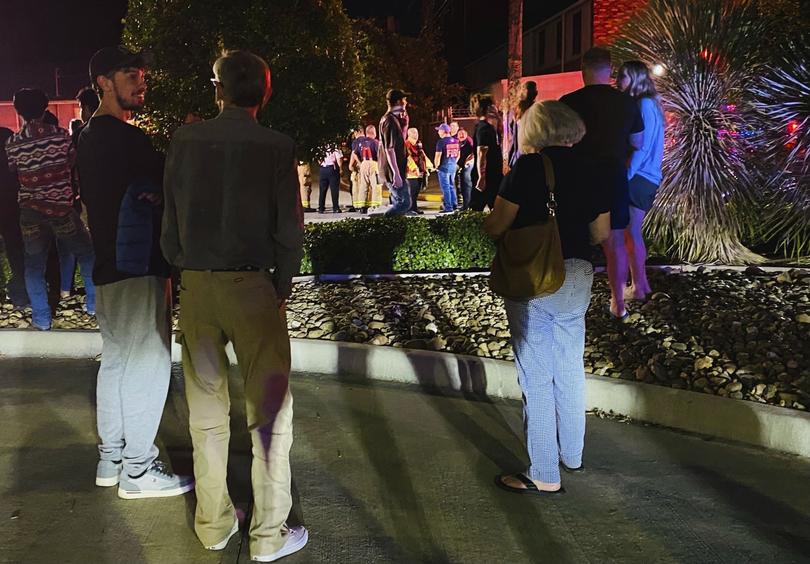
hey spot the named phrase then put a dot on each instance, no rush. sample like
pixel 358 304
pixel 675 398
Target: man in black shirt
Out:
pixel 115 160
pixel 393 160
pixel 614 130
pixel 488 155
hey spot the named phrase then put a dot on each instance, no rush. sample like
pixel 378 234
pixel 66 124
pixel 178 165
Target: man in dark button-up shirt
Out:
pixel 233 214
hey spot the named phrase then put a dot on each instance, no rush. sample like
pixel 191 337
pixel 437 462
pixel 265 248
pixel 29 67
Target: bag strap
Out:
pixel 548 168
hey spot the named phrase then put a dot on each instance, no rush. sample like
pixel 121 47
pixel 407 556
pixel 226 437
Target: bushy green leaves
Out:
pixel 307 43
pixel 397 244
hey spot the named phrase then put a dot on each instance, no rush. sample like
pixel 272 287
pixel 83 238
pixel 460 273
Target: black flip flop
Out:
pixel 530 488
pixel 624 318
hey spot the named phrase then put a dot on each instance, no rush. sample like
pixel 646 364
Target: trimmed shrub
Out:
pixel 397 244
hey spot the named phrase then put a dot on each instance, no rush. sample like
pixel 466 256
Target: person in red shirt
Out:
pixel 42 155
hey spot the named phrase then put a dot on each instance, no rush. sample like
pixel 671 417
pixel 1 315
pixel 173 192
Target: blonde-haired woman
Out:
pixel 644 172
pixel 548 332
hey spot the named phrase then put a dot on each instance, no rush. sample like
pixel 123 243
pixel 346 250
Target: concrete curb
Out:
pixel 737 420
pixel 669 268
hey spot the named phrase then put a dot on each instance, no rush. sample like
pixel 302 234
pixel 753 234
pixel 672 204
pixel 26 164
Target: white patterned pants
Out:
pixel 548 337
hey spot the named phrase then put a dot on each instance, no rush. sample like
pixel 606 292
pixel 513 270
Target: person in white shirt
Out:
pixel 330 180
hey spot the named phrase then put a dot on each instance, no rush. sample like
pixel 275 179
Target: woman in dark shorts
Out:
pixel 644 172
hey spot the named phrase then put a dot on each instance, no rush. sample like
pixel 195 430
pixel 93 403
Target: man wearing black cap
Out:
pixel 393 160
pixel 118 168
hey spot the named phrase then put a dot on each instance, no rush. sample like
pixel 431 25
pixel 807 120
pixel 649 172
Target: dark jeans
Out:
pixel 38 231
pixel 67 266
pixel 415 186
pixel 400 199
pixel 330 179
pixel 15 251
pixel 465 176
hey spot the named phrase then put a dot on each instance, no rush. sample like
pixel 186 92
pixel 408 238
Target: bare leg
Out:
pixel 637 251
pixel 616 255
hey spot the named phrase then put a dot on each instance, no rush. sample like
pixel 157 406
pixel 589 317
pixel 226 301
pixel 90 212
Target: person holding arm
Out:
pixel 548 331
pixel 233 225
pixel 614 130
pixel 644 174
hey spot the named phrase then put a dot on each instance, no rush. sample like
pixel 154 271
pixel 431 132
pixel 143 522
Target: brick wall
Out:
pixel 609 15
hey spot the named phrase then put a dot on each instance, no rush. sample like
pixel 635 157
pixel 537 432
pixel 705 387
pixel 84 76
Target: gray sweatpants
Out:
pixel 133 380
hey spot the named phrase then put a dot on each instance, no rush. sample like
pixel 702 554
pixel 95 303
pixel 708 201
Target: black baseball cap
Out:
pixel 110 59
pixel 395 94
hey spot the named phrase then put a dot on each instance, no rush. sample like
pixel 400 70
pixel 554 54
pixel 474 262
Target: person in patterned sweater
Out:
pixel 42 156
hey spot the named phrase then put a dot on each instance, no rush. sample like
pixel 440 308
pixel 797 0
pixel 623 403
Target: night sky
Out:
pixel 40 36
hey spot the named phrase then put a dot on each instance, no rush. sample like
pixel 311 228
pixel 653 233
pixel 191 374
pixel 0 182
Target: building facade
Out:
pixel 556 45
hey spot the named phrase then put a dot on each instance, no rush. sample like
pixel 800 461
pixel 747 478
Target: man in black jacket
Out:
pixel 133 310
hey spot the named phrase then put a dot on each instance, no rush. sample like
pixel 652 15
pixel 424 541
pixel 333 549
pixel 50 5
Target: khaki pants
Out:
pixel 369 190
pixel 240 307
pixel 305 184
pixel 354 176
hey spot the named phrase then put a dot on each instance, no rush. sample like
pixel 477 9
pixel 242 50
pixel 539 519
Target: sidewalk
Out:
pixel 430 201
pixel 389 474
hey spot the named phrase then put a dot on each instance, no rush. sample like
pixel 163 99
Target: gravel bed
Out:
pixel 744 335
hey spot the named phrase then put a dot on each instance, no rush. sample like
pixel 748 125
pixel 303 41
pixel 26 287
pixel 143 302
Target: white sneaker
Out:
pixel 224 542
pixel 297 538
pixel 157 481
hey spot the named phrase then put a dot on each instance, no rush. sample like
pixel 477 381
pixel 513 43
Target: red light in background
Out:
pixel 792 127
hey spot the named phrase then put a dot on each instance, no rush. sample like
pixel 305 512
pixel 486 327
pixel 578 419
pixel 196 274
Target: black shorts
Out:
pixel 642 193
pixel 615 178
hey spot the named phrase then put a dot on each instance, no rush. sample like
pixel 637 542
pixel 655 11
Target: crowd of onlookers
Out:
pixel 223 208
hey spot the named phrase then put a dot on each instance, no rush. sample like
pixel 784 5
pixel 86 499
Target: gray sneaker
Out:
pixel 107 473
pixel 157 481
pixel 297 538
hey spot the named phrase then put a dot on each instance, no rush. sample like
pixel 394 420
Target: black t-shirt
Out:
pixel 392 136
pixel 579 198
pixel 610 117
pixel 111 155
pixel 467 150
pixel 486 136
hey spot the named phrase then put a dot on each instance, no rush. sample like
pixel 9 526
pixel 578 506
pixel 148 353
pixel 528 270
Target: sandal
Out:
pixel 531 487
pixel 620 318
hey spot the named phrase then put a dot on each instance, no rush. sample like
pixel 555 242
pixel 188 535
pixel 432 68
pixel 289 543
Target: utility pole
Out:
pixel 514 61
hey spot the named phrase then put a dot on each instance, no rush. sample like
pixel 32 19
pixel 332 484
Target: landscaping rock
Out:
pixel 722 332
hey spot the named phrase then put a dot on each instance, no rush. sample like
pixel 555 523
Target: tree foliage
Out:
pixel 308 44
pixel 328 72
pixel 412 64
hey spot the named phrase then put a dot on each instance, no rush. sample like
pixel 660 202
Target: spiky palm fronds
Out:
pixel 708 50
pixel 782 98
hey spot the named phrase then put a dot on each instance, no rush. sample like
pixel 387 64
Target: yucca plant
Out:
pixel 782 98
pixel 711 53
